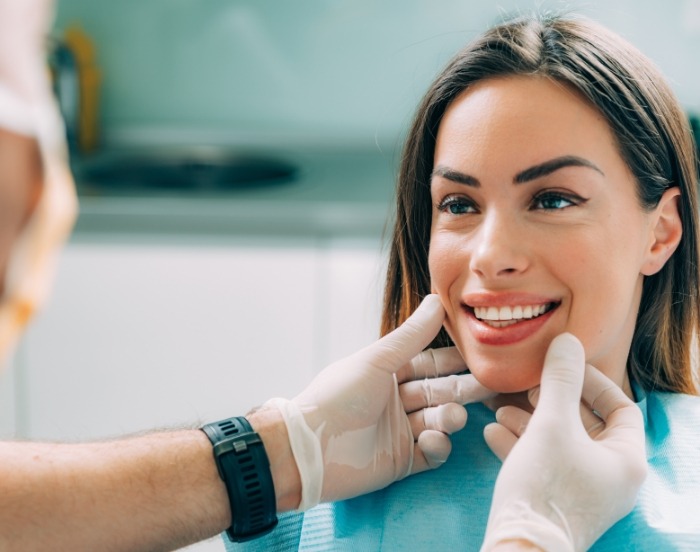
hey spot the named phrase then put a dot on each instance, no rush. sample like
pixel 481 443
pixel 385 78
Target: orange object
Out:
pixel 89 79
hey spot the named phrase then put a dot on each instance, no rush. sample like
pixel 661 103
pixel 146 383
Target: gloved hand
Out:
pixel 349 431
pixel 569 474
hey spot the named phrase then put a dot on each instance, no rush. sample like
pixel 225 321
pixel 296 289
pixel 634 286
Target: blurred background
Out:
pixel 235 162
pixel 325 72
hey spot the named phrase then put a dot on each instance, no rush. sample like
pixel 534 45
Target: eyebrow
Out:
pixel 533 173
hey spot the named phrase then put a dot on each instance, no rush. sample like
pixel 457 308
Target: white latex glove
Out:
pixel 569 475
pixel 349 431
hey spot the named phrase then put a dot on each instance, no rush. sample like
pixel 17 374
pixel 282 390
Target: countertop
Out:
pixel 334 193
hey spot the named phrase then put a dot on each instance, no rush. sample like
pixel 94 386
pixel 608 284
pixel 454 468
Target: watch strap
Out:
pixel 245 469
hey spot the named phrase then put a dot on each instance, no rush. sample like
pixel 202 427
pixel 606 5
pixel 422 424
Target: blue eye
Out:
pixel 456 206
pixel 553 202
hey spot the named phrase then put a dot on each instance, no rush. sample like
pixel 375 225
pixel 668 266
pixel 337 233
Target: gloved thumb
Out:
pixel 562 376
pixel 398 347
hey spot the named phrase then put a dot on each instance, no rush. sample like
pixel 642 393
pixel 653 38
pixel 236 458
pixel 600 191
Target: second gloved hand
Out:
pixel 349 431
pixel 571 472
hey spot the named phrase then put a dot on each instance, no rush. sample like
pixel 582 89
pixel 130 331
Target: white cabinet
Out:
pixel 141 335
pixel 154 335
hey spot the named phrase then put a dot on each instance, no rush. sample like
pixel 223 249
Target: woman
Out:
pixel 548 185
pixel 653 138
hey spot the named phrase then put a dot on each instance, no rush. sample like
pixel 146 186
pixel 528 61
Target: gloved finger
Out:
pixel 592 423
pixel 462 389
pixel 499 439
pixel 533 395
pixel 623 420
pixel 514 419
pixel 562 377
pixel 602 394
pixel 446 418
pixel 508 399
pixel 395 349
pixel 432 363
pixel 430 451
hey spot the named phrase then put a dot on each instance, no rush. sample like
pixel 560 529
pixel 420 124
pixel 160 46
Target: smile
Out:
pixel 500 317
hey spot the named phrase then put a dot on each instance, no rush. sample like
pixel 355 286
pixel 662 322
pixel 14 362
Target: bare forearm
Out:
pixel 155 492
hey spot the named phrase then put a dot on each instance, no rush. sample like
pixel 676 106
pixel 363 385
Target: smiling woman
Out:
pixel 547 185
pixel 543 206
pixel 531 92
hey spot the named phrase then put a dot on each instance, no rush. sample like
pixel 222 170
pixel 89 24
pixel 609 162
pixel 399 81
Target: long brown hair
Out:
pixel 654 139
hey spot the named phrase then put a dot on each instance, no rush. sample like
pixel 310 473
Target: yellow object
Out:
pixel 89 78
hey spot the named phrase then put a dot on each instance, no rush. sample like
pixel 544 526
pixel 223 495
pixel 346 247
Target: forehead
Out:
pixel 526 118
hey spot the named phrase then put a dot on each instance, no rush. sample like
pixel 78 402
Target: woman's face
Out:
pixel 536 230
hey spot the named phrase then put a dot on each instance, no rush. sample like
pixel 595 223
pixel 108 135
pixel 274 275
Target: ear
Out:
pixel 666 232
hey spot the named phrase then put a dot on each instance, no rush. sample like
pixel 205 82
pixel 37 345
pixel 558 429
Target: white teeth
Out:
pixel 517 312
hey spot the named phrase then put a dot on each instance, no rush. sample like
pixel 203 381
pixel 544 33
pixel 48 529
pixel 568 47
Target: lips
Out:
pixel 507 319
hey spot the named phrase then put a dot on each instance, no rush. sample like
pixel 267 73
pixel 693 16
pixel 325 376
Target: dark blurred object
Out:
pixel 191 168
pixel 695 128
pixel 64 70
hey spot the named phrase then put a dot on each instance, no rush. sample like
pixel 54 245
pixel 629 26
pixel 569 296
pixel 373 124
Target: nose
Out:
pixel 500 248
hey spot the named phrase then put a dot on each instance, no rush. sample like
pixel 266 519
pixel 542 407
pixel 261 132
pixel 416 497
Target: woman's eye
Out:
pixel 456 206
pixel 553 202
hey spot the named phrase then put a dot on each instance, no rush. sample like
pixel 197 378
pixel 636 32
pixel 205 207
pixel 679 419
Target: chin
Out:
pixel 506 375
pixel 501 381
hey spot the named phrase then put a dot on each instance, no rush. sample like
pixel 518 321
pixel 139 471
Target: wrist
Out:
pixel 243 465
pixel 515 545
pixel 221 515
pixel 518 526
pixel 270 425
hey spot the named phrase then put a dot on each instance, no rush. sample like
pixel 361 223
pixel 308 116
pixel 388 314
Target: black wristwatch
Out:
pixel 245 469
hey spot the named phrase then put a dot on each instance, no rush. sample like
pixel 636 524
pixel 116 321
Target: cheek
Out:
pixel 604 297
pixel 444 262
pixel 446 265
pixel 604 319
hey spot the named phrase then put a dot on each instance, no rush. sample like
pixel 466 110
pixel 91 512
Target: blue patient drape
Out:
pixel 447 509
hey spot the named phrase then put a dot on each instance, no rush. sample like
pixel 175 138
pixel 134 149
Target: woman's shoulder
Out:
pixel 679 404
pixel 665 517
pixel 672 418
